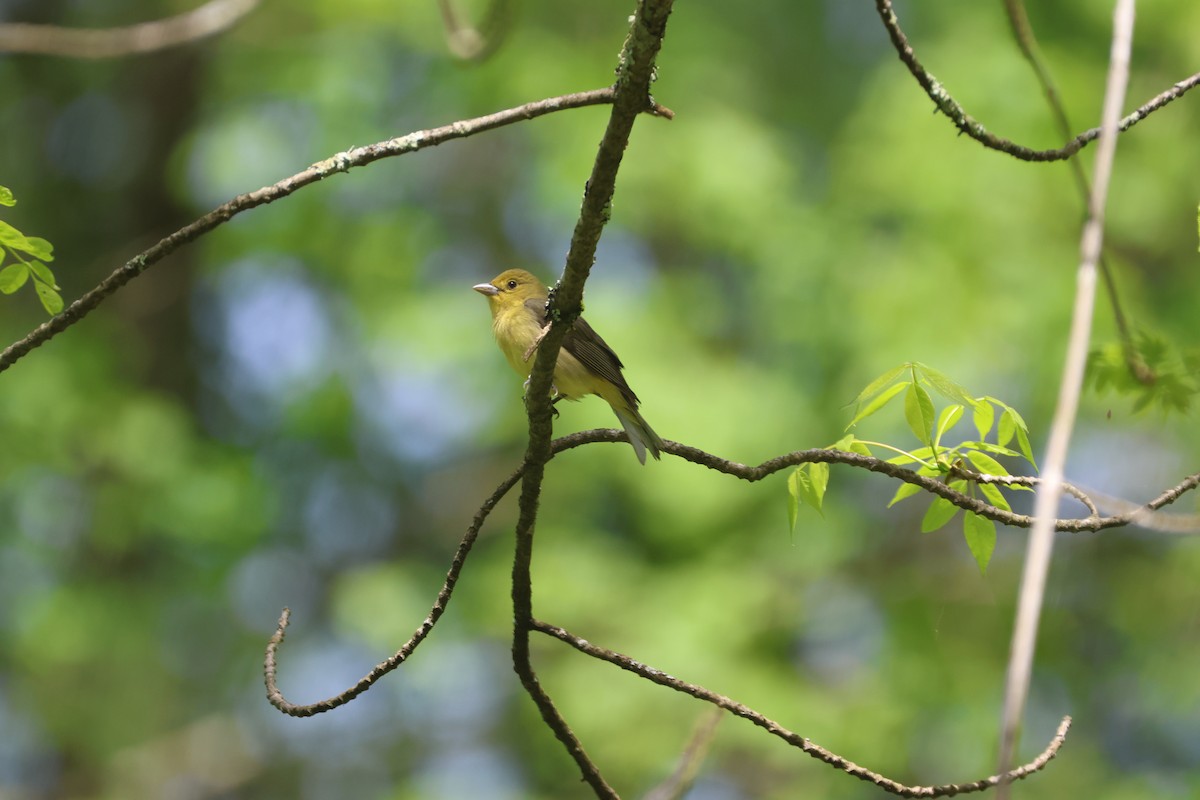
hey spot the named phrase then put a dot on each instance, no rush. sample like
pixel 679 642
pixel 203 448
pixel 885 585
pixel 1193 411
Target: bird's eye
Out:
pixel 512 284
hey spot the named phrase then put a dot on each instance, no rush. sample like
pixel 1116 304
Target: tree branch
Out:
pixel 1041 540
pixel 339 162
pixel 965 123
pixel 795 739
pixel 632 97
pixel 147 37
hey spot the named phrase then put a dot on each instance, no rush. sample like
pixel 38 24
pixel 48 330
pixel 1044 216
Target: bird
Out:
pixel 586 364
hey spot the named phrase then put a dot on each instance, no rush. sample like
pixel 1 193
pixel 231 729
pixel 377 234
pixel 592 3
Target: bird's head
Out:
pixel 511 288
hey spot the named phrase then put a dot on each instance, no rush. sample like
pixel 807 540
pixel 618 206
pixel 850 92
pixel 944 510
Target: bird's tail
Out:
pixel 641 435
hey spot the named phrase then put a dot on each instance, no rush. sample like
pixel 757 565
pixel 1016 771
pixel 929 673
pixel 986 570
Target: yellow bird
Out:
pixel 586 364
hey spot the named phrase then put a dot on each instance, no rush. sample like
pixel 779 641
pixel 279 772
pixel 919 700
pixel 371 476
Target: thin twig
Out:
pixel 635 72
pixel 680 782
pixel 475 43
pixel 340 162
pixel 965 123
pixel 270 665
pixel 702 458
pixel 147 37
pixel 1139 370
pixel 1041 539
pixel 795 739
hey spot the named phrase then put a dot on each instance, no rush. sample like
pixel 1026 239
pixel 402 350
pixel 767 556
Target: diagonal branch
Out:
pixel 965 123
pixel 635 72
pixel 339 162
pixel 796 740
pixel 1041 539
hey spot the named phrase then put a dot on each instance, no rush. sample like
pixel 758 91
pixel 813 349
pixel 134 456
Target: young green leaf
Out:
pixel 13 277
pixel 43 273
pixel 905 490
pixel 996 497
pixel 984 416
pixel 980 533
pixel 808 486
pixel 874 387
pixel 985 463
pixel 6 197
pixel 878 402
pixel 1007 428
pixel 51 300
pixel 1023 442
pixel 850 444
pixel 918 411
pixel 948 419
pixel 11 237
pixel 940 512
pixel 39 248
pixel 988 447
pixel 793 499
pixel 944 386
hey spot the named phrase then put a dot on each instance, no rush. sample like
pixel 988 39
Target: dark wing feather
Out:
pixel 595 354
pixel 585 344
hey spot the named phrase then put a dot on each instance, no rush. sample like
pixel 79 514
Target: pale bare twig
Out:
pixel 680 782
pixel 475 42
pixel 147 37
pixel 1041 539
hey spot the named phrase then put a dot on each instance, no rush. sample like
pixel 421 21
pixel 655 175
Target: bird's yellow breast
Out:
pixel 516 330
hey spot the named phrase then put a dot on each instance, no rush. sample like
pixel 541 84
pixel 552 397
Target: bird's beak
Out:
pixel 486 288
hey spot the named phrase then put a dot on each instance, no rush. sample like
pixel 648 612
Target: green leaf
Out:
pixel 996 497
pixel 43 274
pixel 985 463
pixel 940 512
pixel 918 411
pixel 13 277
pixel 877 403
pixel 980 533
pixel 51 300
pixel 39 248
pixel 905 490
pixel 988 447
pixel 12 237
pixel 944 386
pixel 1026 450
pixel 807 485
pixel 1006 429
pixel 793 499
pixel 6 197
pixel 948 419
pixel 850 444
pixel 875 386
pixel 984 416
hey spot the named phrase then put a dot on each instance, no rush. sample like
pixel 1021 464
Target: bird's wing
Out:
pixel 594 353
pixel 585 344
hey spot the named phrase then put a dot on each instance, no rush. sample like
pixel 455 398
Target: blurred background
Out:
pixel 306 407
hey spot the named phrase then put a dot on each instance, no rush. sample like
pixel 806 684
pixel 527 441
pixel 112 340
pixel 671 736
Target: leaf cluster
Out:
pixel 31 254
pixel 1174 374
pixel 962 465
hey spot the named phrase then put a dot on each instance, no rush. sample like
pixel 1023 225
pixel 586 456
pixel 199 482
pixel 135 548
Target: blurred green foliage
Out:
pixel 305 408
